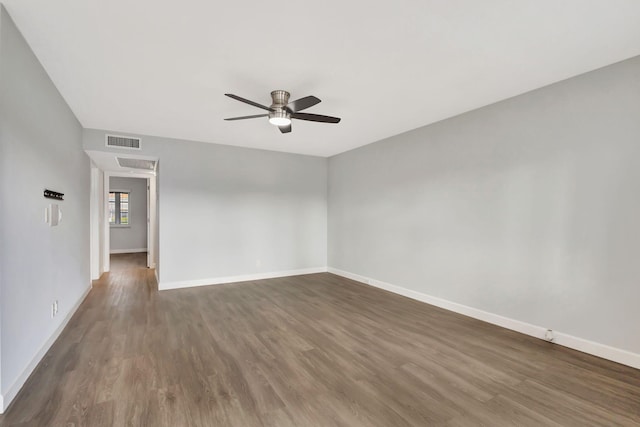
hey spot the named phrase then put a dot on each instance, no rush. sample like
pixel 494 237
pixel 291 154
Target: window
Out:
pixel 119 208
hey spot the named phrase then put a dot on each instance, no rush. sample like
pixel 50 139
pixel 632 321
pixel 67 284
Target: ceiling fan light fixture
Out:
pixel 280 121
pixel 279 117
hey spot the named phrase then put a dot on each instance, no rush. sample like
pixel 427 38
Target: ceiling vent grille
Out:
pixel 147 165
pixel 124 142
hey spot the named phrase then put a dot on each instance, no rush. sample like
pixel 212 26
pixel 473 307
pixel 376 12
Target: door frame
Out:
pixel 151 217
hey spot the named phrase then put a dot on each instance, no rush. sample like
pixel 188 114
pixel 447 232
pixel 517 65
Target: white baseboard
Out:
pixel 241 278
pixel 127 251
pixel 5 400
pixel 601 350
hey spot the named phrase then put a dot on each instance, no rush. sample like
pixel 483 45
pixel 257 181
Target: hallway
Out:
pixel 124 262
pixel 97 357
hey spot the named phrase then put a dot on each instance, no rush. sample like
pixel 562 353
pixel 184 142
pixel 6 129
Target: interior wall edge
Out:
pixel 576 343
pixel 14 389
pixel 163 286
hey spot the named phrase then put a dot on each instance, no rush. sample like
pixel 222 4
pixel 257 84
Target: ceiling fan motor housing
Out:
pixel 280 100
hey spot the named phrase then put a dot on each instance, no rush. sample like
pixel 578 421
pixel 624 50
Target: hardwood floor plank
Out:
pixel 565 407
pixel 314 350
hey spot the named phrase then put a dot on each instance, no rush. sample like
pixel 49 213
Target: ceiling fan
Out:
pixel 282 111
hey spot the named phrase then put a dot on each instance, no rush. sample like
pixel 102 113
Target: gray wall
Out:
pixel 40 147
pixel 528 208
pixel 135 235
pixel 227 211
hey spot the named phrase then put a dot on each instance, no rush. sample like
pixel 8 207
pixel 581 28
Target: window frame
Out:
pixel 118 207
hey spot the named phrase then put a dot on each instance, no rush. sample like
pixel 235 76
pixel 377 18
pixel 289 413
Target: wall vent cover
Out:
pixel 147 165
pixel 124 142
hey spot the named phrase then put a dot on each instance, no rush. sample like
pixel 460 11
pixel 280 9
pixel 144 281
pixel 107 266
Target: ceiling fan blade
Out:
pixel 248 117
pixel 246 101
pixel 315 118
pixel 302 103
pixel 285 129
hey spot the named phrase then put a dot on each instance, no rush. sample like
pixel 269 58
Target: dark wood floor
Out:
pixel 315 350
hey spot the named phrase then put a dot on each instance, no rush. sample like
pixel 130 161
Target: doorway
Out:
pixel 128 216
pixel 124 220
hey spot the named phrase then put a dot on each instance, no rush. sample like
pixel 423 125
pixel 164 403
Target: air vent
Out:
pixel 147 165
pixel 124 142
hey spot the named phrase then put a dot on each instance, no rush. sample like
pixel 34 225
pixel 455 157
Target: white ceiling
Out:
pixel 161 68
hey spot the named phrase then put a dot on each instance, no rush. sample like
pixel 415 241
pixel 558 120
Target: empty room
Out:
pixel 414 213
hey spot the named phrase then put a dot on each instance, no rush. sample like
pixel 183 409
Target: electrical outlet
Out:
pixel 258 263
pixel 549 335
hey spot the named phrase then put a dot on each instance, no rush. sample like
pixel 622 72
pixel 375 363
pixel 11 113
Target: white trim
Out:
pixel 601 350
pixel 127 251
pixel 141 175
pixel 94 222
pixel 24 376
pixel 148 218
pixel 106 241
pixel 241 278
pixel 152 223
